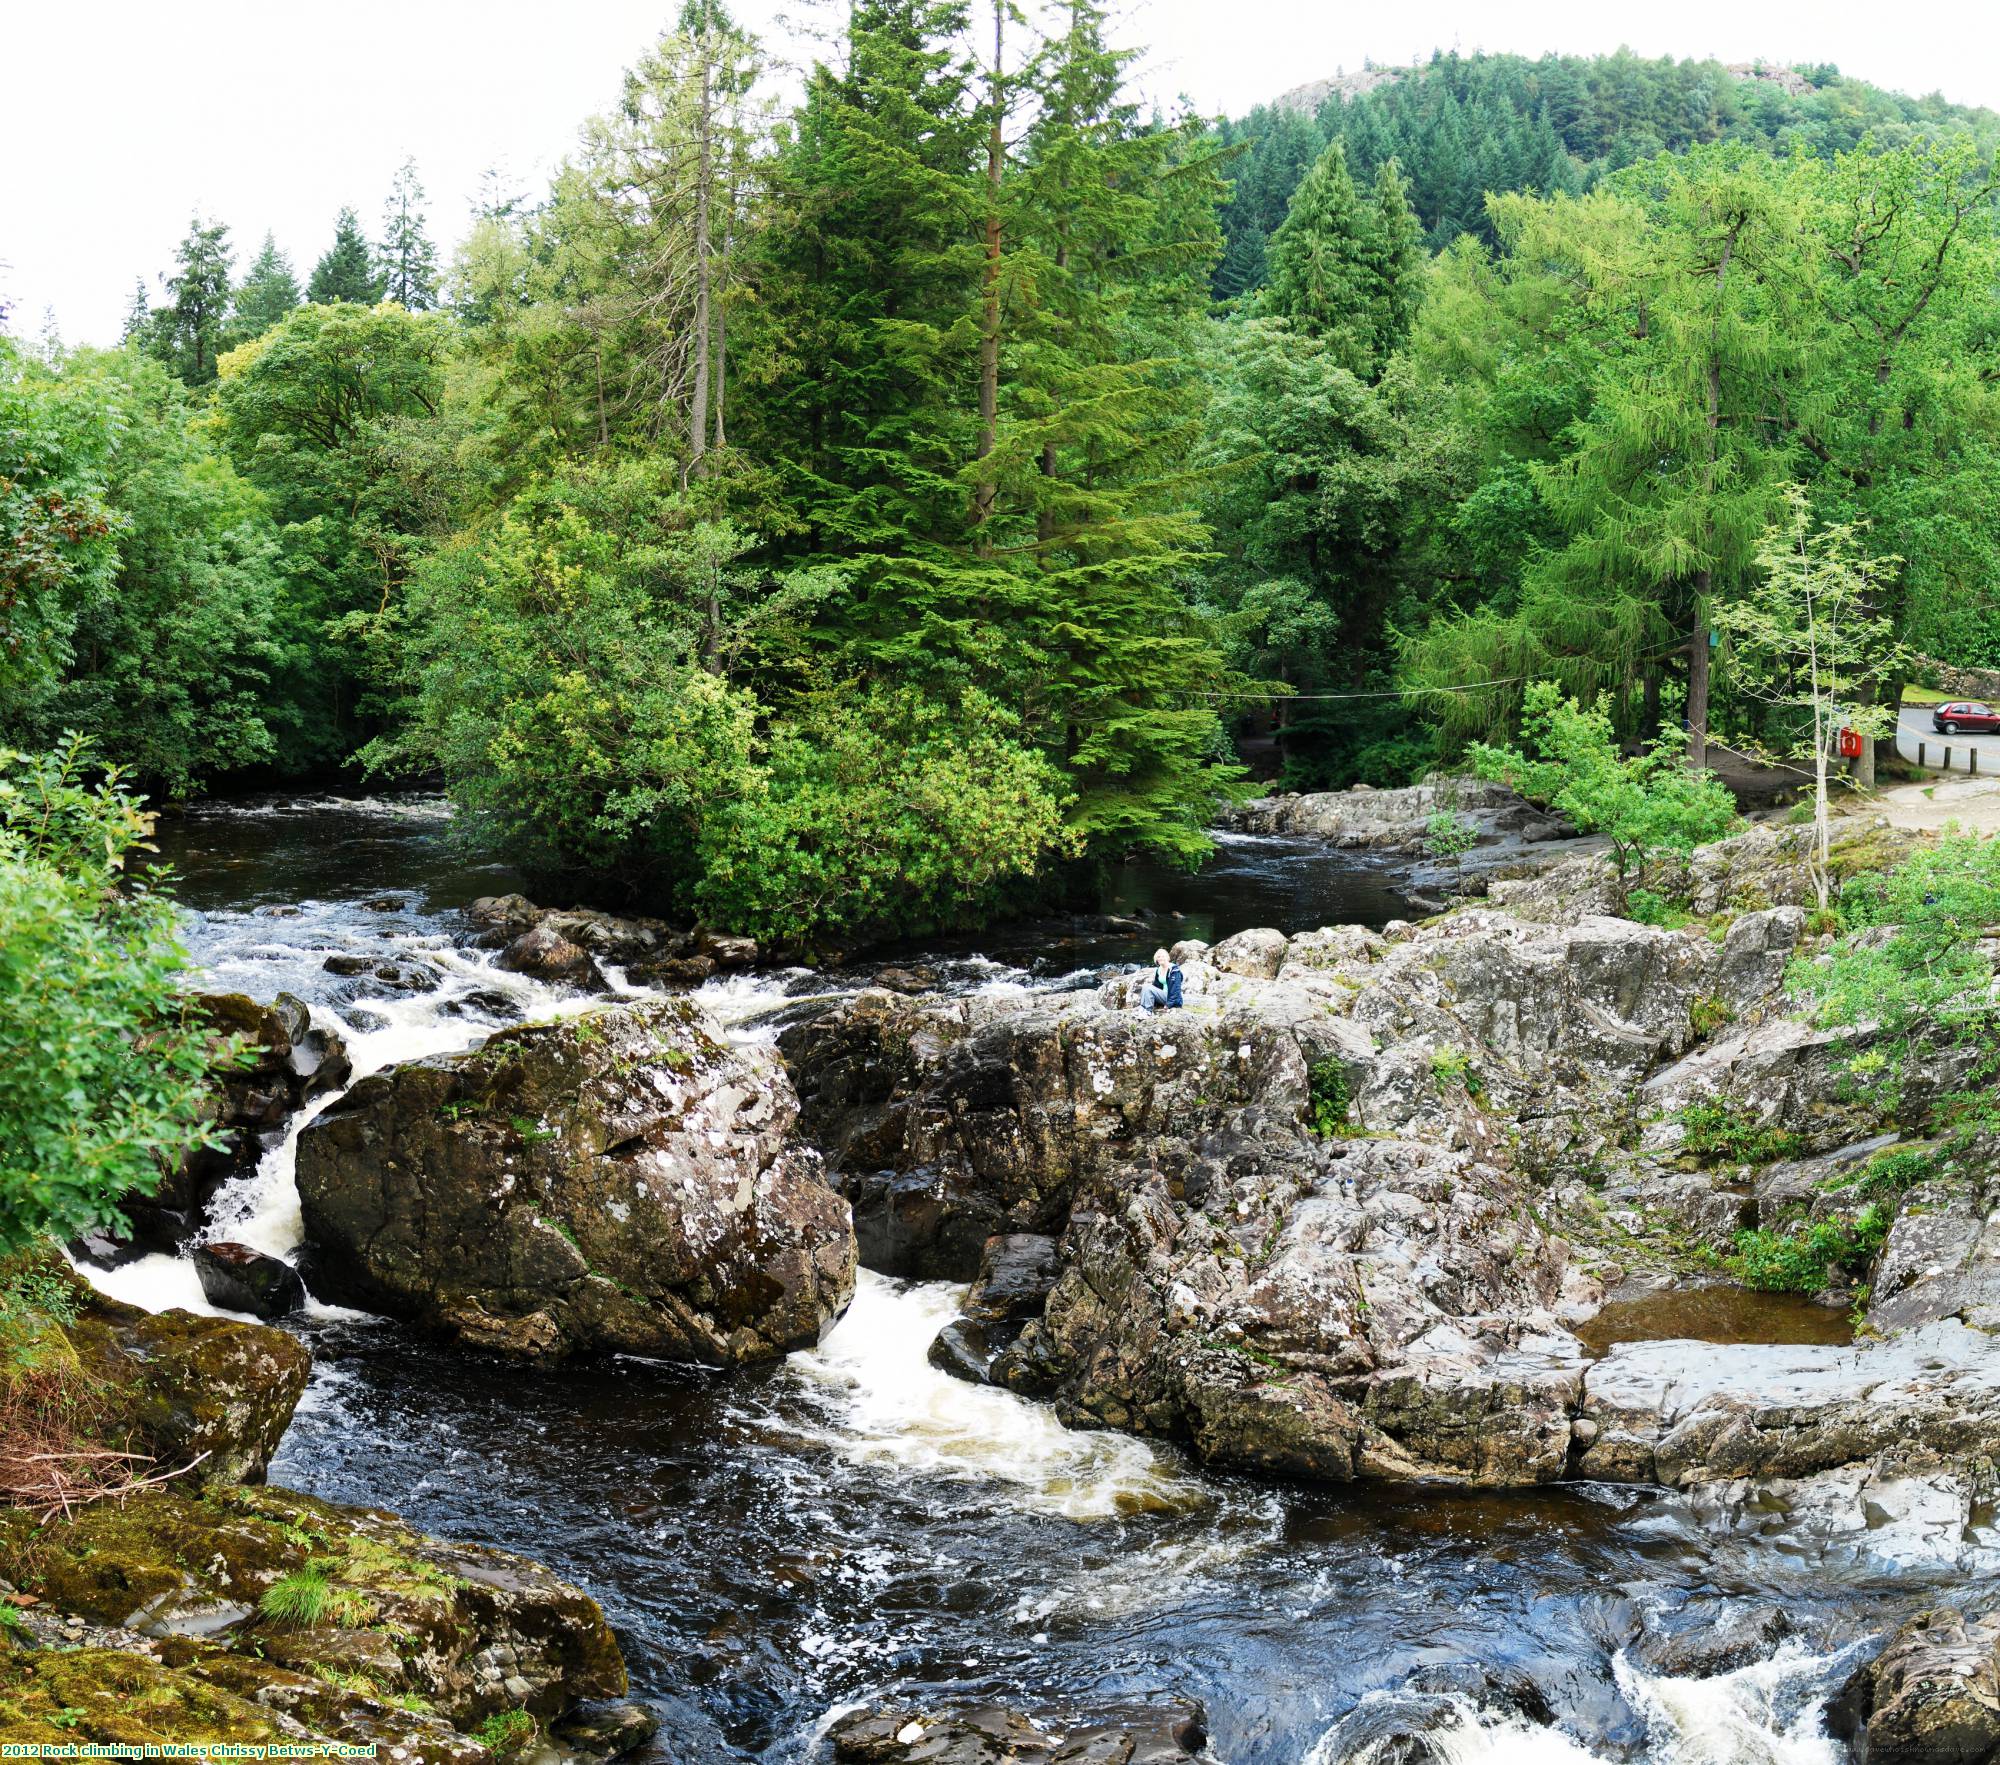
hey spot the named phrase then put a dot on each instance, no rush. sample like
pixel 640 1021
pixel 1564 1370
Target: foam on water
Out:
pixel 1771 1712
pixel 892 1408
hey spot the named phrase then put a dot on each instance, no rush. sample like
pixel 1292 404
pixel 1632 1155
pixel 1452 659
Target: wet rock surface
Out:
pixel 286 1063
pixel 1932 1697
pixel 625 1180
pixel 1159 1734
pixel 238 1278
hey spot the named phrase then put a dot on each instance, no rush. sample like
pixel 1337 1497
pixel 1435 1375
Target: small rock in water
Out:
pixel 384 904
pixel 549 956
pixel 238 1278
pixel 349 963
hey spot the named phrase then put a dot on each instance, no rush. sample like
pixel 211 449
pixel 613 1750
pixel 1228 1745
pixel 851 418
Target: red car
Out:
pixel 1964 714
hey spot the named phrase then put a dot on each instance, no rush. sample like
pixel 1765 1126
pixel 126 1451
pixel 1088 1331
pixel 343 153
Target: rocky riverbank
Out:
pixel 1340 1218
pixel 174 1598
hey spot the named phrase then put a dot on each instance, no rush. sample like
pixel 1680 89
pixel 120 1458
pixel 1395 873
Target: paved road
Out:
pixel 1914 727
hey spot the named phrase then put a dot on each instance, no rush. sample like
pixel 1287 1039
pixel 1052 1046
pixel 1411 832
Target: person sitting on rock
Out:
pixel 1164 985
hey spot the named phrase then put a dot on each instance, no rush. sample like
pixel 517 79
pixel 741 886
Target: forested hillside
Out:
pixel 1460 127
pixel 847 517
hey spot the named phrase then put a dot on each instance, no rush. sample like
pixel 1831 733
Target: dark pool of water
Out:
pixel 1715 1314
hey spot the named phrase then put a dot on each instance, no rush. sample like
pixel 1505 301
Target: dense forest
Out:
pixel 845 517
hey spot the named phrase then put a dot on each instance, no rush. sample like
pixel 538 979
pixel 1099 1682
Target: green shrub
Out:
pixel 1644 804
pixel 506 1732
pixel 1720 1134
pixel 1810 1258
pixel 1709 1014
pixel 1326 1083
pixel 103 1068
pixel 1650 907
pixel 1452 1067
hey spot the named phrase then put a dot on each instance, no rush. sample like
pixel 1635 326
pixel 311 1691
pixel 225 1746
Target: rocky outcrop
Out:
pixel 1163 1733
pixel 625 1180
pixel 1932 1697
pixel 260 1615
pixel 285 1063
pixel 1363 819
pixel 1681 1413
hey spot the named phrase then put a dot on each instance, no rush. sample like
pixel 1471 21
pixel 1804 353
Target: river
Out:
pixel 774 1547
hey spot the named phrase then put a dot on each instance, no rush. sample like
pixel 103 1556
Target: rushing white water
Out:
pixel 1771 1712
pixel 894 1409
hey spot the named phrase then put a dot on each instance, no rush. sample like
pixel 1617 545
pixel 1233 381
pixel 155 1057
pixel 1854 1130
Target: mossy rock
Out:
pixel 67 1697
pixel 468 1630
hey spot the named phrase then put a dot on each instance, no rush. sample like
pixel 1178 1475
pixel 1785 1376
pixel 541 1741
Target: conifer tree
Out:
pixel 268 292
pixel 138 316
pixel 186 334
pixel 1324 262
pixel 1395 261
pixel 346 271
pixel 406 266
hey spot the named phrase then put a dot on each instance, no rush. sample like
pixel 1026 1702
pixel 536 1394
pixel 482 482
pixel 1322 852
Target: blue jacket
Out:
pixel 1175 982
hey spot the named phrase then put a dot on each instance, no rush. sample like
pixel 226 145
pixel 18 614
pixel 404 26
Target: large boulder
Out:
pixel 1932 1697
pixel 1398 820
pixel 212 1395
pixel 625 1180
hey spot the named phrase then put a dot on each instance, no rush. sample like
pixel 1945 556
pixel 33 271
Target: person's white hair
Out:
pixel 1161 959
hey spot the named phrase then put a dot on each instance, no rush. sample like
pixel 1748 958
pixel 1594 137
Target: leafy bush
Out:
pixel 1650 907
pixel 1709 1014
pixel 1811 1258
pixel 102 1068
pixel 1453 1067
pixel 1644 804
pixel 1328 1097
pixel 506 1732
pixel 893 812
pixel 1912 967
pixel 1719 1134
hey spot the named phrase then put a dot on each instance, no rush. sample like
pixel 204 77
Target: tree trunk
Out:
pixel 1697 705
pixel 722 326
pixel 704 187
pixel 987 487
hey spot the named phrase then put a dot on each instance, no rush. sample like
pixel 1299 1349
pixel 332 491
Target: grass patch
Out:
pixel 309 1597
pixel 1452 1067
pixel 1709 1014
pixel 506 1732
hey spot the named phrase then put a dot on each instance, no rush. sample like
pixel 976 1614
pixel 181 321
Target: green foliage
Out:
pixel 266 294
pixel 1719 1133
pixel 102 1075
pixel 406 264
pixel 1709 1014
pixel 1911 971
pixel 1650 907
pixel 186 336
pixel 1452 1069
pixel 1810 1257
pixel 890 812
pixel 506 1732
pixel 1328 1098
pixel 347 271
pixel 1644 804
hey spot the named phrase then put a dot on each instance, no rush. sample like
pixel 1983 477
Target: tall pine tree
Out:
pixel 406 261
pixel 346 272
pixel 186 334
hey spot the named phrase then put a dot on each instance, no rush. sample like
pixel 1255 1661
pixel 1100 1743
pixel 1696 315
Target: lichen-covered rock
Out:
pixel 549 956
pixel 287 1581
pixel 214 1394
pixel 1166 1732
pixel 625 1180
pixel 1932 1697
pixel 1398 820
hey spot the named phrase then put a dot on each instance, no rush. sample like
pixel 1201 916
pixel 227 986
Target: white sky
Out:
pixel 117 119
